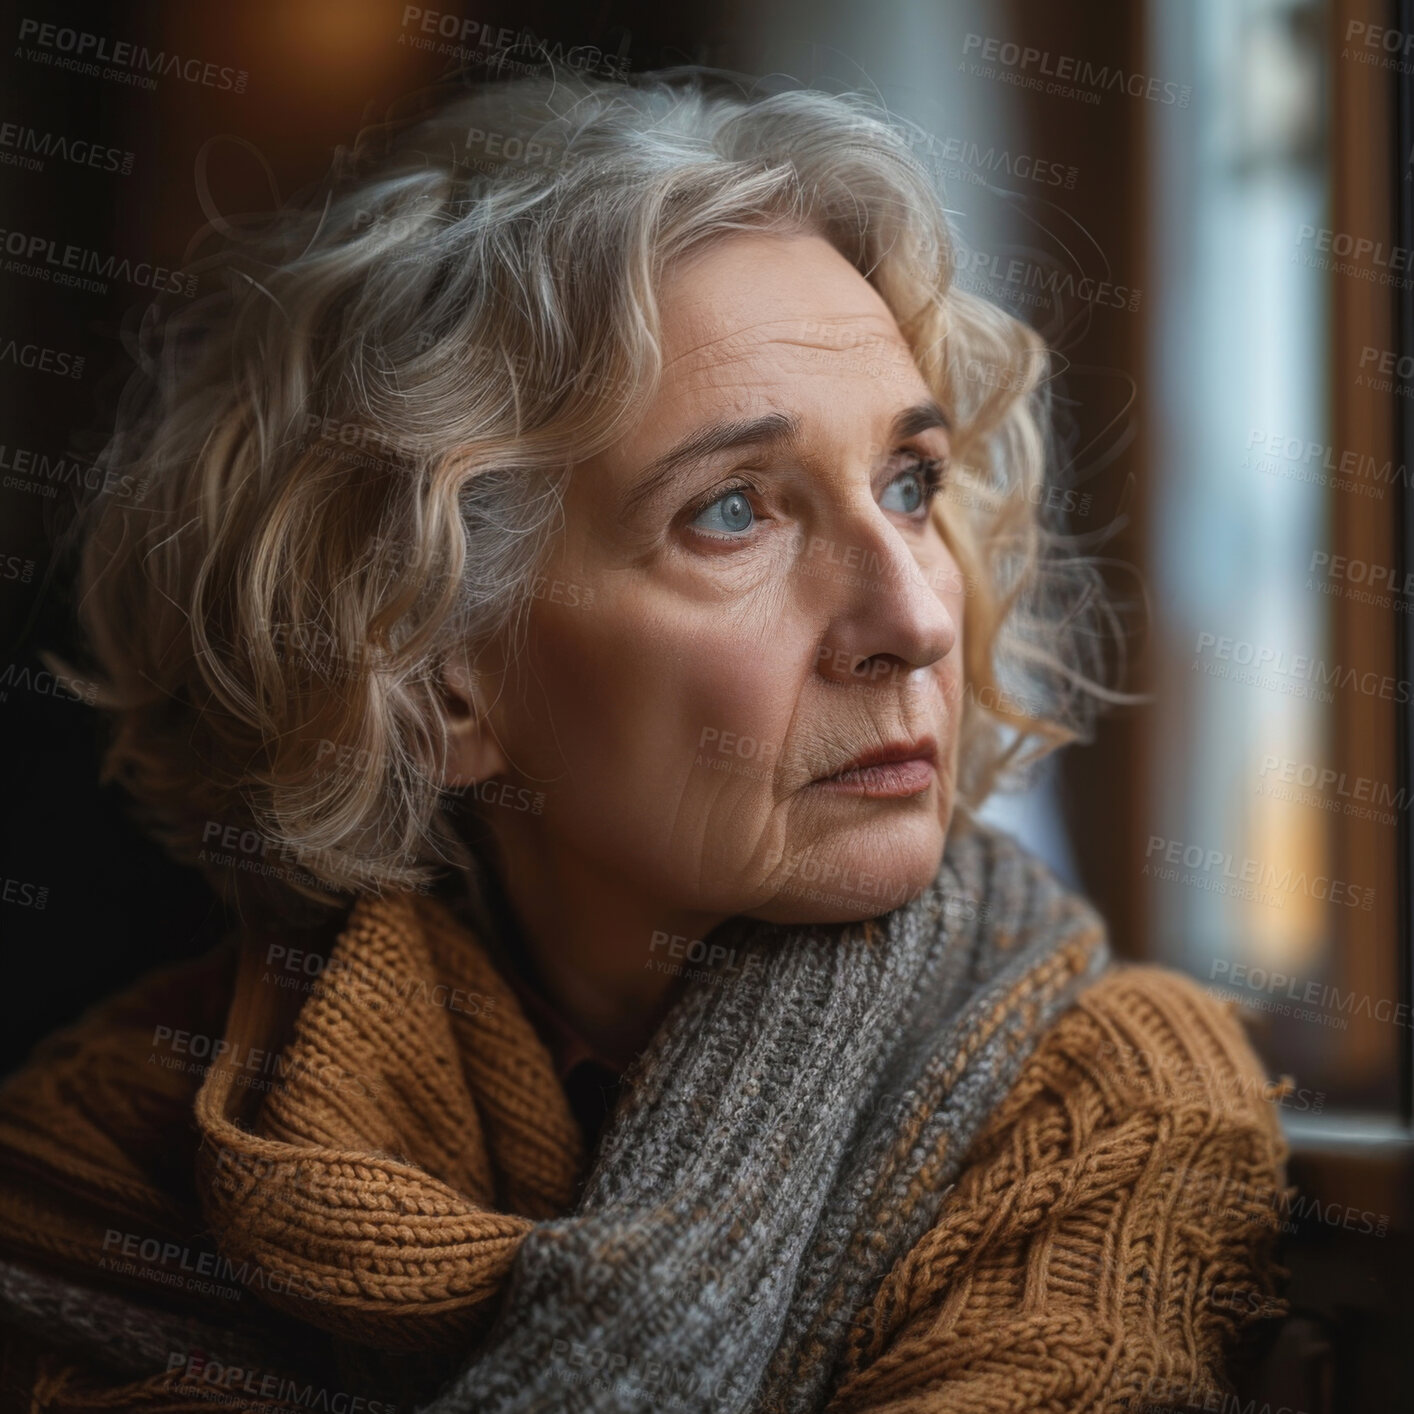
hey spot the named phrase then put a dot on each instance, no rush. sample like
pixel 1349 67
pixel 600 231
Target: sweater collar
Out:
pixel 414 1091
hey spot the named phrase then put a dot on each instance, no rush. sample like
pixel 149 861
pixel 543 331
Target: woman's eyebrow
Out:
pixel 778 429
pixel 770 429
pixel 921 417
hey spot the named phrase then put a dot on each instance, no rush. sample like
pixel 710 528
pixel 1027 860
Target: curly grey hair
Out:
pixel 352 458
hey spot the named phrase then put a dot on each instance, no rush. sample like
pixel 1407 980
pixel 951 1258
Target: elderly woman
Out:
pixel 571 593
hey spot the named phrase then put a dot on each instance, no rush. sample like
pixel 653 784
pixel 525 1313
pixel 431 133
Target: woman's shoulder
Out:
pixel 1119 1208
pixel 1143 1037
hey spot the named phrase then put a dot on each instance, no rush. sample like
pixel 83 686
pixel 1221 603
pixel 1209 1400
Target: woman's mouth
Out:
pixel 903 769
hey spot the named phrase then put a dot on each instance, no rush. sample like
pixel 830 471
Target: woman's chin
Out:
pixel 846 881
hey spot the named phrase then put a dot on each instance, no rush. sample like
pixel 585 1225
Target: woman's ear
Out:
pixel 473 753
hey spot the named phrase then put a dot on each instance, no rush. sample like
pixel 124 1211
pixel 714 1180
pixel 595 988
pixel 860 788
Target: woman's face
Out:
pixel 749 595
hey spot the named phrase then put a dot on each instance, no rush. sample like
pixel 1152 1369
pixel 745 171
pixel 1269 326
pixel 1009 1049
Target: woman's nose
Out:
pixel 888 614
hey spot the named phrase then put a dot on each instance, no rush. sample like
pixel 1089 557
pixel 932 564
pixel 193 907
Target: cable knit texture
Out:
pixel 951 1160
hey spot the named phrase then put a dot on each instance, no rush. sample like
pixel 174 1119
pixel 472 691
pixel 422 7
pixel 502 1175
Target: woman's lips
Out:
pixel 891 778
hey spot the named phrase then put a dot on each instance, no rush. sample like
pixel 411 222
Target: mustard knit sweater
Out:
pixel 1106 1244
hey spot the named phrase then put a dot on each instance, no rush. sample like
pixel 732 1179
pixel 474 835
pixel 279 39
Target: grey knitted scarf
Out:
pixel 762 1171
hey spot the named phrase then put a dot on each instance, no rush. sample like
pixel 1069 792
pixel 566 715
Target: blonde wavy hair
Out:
pixel 345 467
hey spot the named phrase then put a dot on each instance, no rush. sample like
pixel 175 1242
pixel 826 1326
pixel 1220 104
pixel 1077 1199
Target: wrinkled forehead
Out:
pixel 740 362
pixel 775 301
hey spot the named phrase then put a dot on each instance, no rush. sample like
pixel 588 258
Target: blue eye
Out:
pixel 729 513
pixel 920 484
